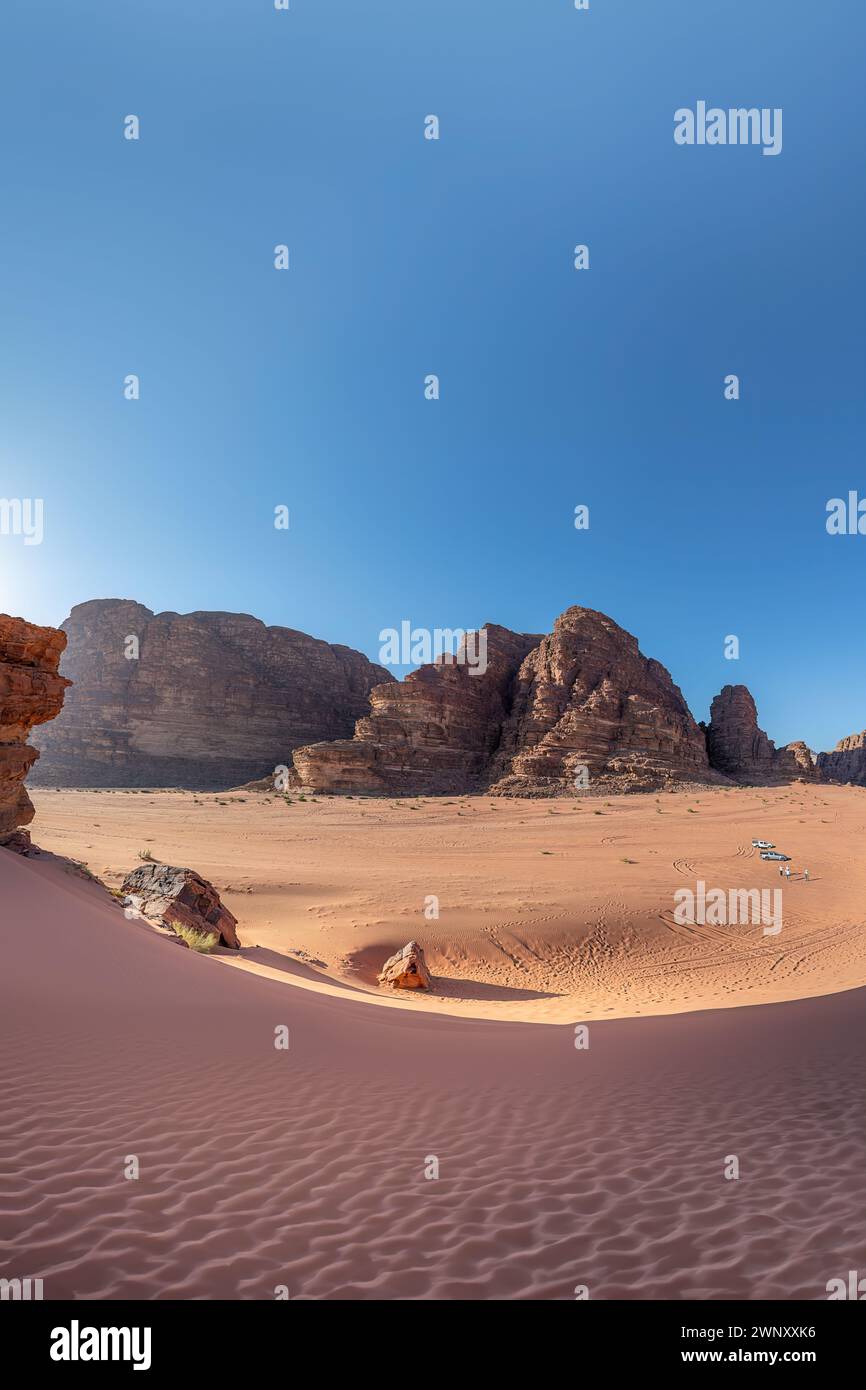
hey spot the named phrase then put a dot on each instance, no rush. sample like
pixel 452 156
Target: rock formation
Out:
pixel 797 760
pixel 585 697
pixel 846 762
pixel 182 897
pixel 735 744
pixel 433 732
pixel 31 692
pixel 407 969
pixel 200 700
pixel 740 750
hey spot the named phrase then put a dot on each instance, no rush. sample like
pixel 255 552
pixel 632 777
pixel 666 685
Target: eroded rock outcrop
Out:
pixel 584 697
pixel 199 700
pixel 796 760
pixel 180 897
pixel 740 750
pixel 406 969
pixel 846 762
pixel 31 692
pixel 588 697
pixel 433 732
pixel 735 744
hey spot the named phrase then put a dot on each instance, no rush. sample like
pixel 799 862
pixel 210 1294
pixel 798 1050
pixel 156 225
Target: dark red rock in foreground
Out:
pixel 173 896
pixel 31 692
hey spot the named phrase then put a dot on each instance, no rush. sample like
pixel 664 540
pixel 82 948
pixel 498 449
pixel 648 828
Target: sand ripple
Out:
pixel 306 1168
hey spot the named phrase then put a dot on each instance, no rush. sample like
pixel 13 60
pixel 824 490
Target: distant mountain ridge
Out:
pixel 200 700
pixel 580 709
pixel 213 700
pixel 847 761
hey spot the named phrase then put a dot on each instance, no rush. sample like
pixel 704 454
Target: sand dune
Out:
pixel 305 1168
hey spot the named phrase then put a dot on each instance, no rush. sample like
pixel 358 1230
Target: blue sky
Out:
pixel 409 257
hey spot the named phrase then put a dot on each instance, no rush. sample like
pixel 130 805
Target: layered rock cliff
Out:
pixel 740 750
pixel 198 700
pixel 586 696
pixel 847 761
pixel 547 707
pixel 735 744
pixel 31 692
pixel 433 732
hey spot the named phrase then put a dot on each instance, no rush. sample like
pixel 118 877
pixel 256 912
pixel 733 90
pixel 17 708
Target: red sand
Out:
pixel 550 911
pixel 305 1168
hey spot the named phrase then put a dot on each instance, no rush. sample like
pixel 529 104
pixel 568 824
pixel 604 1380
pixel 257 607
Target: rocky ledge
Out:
pixel 31 692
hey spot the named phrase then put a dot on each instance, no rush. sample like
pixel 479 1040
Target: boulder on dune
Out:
pixel 407 969
pixel 182 897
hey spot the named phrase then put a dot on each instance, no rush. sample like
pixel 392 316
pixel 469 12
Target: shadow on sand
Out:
pixel 443 988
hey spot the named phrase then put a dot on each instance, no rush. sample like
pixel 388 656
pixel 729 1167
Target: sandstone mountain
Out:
pixel 31 692
pixel 199 700
pixel 584 697
pixel 434 732
pixel 740 750
pixel 847 761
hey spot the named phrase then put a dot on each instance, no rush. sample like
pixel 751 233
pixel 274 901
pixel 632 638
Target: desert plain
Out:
pixel 549 911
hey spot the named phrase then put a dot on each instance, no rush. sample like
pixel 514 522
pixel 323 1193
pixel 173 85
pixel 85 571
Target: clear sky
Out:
pixel 410 256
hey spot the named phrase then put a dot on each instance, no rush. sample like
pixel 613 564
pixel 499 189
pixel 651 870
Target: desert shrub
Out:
pixel 203 942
